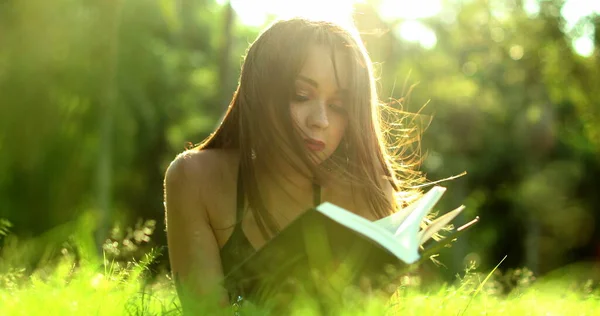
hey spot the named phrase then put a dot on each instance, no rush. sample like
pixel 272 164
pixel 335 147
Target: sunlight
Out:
pixel 531 7
pixel 574 11
pixel 411 29
pixel 416 32
pixel 584 46
pixel 258 12
pixel 394 9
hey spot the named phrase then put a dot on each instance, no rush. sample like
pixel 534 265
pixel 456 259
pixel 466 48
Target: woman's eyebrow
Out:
pixel 309 81
pixel 316 85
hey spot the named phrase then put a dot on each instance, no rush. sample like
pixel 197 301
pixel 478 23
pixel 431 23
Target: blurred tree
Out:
pixel 516 108
pixel 112 89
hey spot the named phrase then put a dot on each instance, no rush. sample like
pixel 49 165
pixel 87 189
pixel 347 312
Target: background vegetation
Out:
pixel 97 97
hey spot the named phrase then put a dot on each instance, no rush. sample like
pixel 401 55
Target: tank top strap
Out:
pixel 316 194
pixel 240 200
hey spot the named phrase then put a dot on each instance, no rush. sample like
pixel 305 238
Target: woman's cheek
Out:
pixel 341 128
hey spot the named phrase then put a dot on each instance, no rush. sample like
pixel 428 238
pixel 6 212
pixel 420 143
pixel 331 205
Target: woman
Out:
pixel 303 127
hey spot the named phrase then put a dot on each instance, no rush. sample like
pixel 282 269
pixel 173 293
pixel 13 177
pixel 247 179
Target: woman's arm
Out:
pixel 193 249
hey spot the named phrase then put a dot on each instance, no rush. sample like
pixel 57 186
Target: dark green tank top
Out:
pixel 238 248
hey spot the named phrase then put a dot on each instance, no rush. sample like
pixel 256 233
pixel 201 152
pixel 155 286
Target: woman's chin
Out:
pixel 319 157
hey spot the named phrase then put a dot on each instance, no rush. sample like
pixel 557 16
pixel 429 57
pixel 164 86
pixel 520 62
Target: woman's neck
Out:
pixel 285 176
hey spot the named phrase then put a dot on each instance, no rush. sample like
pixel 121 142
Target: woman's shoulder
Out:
pixel 199 167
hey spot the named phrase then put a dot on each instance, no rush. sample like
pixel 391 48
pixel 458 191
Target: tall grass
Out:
pixel 74 281
pixel 74 287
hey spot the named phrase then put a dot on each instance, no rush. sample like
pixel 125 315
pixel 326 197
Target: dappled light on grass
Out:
pixel 86 289
pixel 112 289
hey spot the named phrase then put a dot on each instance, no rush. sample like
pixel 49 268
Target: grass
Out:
pixel 67 288
pixel 76 282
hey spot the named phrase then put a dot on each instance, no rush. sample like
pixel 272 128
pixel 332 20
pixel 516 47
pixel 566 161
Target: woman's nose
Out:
pixel 318 116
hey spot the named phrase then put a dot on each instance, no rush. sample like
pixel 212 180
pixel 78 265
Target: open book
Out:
pixel 341 248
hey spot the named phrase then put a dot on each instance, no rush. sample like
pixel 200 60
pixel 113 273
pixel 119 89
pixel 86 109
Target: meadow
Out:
pixel 71 286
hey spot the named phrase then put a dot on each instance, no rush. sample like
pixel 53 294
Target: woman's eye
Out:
pixel 337 107
pixel 300 98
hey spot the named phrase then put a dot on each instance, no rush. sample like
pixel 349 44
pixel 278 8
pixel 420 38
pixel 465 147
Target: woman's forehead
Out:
pixel 325 68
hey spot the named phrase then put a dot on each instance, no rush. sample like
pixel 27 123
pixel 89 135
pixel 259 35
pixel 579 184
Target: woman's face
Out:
pixel 318 105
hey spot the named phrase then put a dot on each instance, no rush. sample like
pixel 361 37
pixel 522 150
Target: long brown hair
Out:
pixel 265 88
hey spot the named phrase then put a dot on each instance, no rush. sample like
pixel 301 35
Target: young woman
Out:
pixel 304 127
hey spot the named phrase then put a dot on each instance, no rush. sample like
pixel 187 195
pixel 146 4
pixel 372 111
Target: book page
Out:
pixel 392 223
pixel 407 234
pixel 404 242
pixel 438 224
pixel 424 205
pixel 370 230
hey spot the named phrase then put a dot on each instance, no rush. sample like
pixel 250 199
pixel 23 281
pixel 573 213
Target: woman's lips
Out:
pixel 314 145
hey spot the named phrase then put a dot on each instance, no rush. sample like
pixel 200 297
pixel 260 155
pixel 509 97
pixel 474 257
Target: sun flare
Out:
pixel 258 12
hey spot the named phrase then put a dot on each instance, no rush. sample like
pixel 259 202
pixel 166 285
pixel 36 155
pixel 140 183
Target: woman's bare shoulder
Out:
pixel 199 183
pixel 197 167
